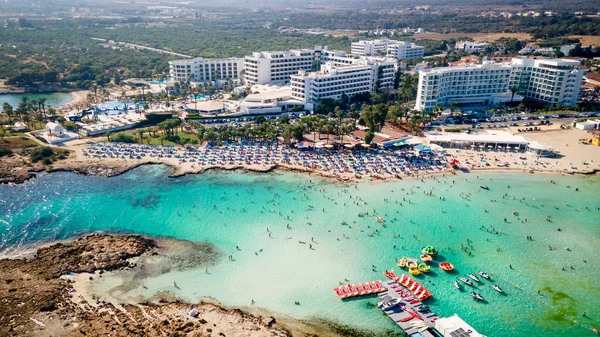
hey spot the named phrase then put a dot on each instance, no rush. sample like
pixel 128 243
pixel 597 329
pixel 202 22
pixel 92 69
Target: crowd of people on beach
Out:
pixel 357 163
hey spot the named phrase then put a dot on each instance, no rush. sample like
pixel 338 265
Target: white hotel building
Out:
pixel 370 47
pixel 338 58
pixel 333 82
pixel 203 70
pixel 276 66
pixel 397 49
pixel 481 85
pixel 471 47
pixel 405 50
pixel 553 81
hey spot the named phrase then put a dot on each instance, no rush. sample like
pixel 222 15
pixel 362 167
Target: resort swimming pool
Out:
pixel 116 105
pixel 117 108
pixel 199 97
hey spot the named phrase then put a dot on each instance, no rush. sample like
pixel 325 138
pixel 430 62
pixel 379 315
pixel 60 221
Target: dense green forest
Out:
pixel 34 51
pixel 539 27
pixel 47 53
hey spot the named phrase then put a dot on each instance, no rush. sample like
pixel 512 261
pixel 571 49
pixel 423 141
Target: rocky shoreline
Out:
pixel 42 296
pixel 36 297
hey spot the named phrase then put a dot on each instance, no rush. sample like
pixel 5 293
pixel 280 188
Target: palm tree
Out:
pixel 8 110
pixel 340 114
pixel 39 118
pixel 513 91
pixel 42 105
pixel 140 133
pixel 94 88
pixel 26 120
pixel 144 86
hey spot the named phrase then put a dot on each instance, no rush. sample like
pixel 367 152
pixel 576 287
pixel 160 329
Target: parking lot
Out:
pixel 517 121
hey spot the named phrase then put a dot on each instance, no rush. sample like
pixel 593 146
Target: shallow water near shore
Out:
pixel 52 99
pixel 229 209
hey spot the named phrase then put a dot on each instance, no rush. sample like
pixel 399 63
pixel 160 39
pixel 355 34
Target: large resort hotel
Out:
pixel 277 66
pixel 553 81
pixel 203 70
pixel 333 82
pixel 391 48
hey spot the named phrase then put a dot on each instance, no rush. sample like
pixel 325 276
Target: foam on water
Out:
pixel 235 209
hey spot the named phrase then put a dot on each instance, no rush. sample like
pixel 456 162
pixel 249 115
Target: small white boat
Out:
pixel 472 276
pixel 497 288
pixel 477 297
pixel 389 305
pixel 456 284
pixel 484 275
pixel 467 281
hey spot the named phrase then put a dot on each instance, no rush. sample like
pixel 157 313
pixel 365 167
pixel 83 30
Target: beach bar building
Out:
pixel 492 140
pixel 385 138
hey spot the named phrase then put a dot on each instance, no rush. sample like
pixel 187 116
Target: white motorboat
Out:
pixel 389 305
pixel 472 276
pixel 467 281
pixel 477 297
pixel 484 275
pixel 497 288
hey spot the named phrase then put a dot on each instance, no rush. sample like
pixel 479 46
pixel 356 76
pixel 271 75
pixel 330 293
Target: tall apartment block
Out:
pixel 553 81
pixel 277 66
pixel 203 70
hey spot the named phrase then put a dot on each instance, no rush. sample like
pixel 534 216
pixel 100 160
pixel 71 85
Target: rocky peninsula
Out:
pixel 44 295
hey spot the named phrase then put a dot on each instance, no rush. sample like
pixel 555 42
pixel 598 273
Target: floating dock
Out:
pixel 359 289
pixel 406 315
pixel 416 288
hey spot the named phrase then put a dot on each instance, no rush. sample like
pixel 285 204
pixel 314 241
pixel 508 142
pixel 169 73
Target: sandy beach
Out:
pixel 574 158
pixel 79 99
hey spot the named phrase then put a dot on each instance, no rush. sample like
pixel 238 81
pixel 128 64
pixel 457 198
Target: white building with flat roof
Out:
pixel 480 85
pixel 554 81
pixel 471 47
pixel 270 100
pixel 405 50
pixel 333 82
pixel 370 47
pixel 204 70
pixel 338 58
pixel 277 66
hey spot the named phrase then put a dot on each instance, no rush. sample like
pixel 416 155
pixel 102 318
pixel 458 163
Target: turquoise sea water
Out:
pixel 55 99
pixel 234 209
